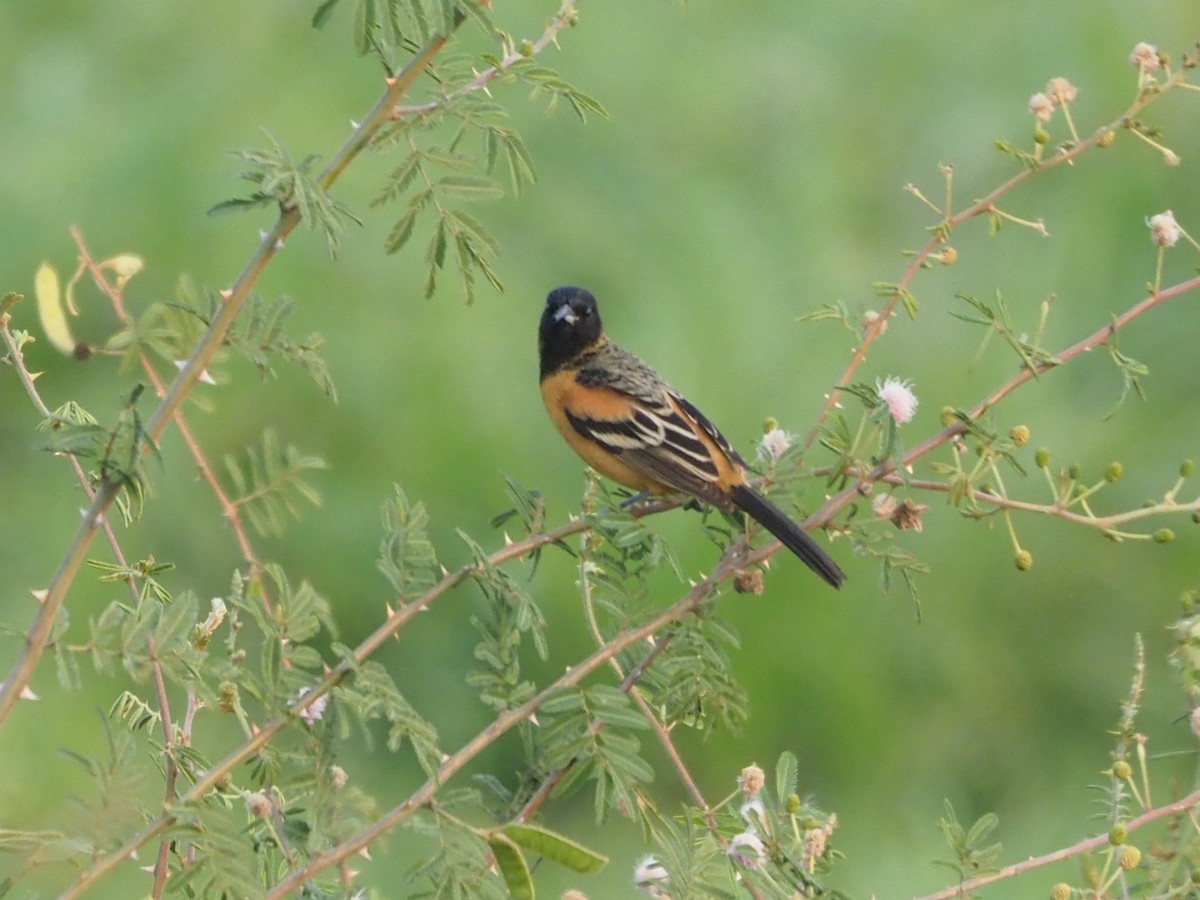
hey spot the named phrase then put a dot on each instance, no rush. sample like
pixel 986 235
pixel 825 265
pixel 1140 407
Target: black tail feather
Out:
pixel 772 518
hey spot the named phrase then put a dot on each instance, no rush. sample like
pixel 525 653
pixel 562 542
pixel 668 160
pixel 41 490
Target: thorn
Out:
pixel 355 125
pixel 508 542
pixel 40 594
pixel 227 295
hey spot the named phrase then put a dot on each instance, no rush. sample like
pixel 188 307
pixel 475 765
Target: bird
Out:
pixel 630 425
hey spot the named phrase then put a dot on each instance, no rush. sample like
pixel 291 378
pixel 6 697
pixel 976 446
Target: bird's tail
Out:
pixel 772 518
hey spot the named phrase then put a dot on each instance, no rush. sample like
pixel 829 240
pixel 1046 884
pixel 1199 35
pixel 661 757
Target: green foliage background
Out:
pixel 750 172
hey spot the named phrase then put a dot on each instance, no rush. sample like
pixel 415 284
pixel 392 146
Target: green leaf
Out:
pixel 557 847
pixel 786 770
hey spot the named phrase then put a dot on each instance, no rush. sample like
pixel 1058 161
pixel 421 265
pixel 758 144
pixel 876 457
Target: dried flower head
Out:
pixel 1145 57
pixel 899 397
pixel 1041 106
pixel 258 804
pixel 751 781
pixel 338 777
pixel 774 444
pixel 747 850
pixel 648 875
pixel 1061 91
pixel 313 711
pixel 1164 230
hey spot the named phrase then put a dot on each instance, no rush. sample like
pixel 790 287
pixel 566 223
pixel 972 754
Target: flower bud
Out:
pixel 1113 472
pixel 948 256
pixel 1106 139
pixel 1023 560
pixel 1122 770
pixel 1164 536
pixel 1073 472
pixel 1186 468
pixel 1117 835
pixel 1019 435
pixel 1130 857
pixel 1061 891
pixel 1042 457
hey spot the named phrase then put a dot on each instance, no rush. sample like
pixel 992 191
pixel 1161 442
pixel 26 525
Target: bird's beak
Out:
pixel 565 312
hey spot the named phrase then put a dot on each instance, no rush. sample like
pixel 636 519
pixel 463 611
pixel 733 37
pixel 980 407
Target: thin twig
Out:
pixel 185 381
pixel 960 890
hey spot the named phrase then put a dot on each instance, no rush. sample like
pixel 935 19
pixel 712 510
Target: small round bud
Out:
pixel 1113 472
pixel 1122 770
pixel 573 20
pixel 1186 468
pixel 1196 517
pixel 770 423
pixel 1117 835
pixel 948 256
pixel 1023 560
pixel 1073 472
pixel 527 48
pixel 1019 435
pixel 792 804
pixel 1042 457
pixel 1106 139
pixel 227 696
pixel 1041 136
pixel 1061 891
pixel 1130 857
pixel 1164 536
pixel 947 417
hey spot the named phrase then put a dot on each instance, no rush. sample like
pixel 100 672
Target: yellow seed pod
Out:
pixel 50 309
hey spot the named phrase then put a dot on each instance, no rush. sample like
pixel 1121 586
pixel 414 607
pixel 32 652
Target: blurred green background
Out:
pixel 751 171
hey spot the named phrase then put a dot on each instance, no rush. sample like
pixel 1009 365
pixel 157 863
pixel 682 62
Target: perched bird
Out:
pixel 631 426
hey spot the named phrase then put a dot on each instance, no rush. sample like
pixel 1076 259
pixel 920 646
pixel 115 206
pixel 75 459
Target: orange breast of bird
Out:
pixel 562 394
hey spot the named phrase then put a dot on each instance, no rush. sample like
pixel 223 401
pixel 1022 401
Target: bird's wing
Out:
pixel 666 439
